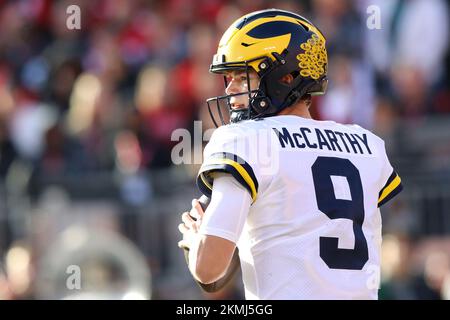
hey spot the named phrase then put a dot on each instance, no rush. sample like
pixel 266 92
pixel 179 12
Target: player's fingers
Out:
pixel 197 206
pixel 197 211
pixel 195 215
pixel 182 228
pixel 188 221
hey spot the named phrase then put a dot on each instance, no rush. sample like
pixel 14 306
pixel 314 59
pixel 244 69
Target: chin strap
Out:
pixel 239 115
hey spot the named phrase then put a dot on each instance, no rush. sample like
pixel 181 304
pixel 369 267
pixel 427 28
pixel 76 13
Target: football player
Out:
pixel 307 222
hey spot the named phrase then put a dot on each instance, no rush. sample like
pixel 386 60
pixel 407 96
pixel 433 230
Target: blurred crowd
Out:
pixel 94 110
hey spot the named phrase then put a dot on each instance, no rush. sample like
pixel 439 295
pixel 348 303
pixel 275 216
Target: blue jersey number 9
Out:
pixel 322 170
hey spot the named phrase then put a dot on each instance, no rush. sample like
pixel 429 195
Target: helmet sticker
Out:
pixel 312 62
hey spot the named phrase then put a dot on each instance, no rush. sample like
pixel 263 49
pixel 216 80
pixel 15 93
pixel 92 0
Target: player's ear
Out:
pixel 287 79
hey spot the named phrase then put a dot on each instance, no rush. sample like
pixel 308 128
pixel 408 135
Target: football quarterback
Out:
pixel 298 197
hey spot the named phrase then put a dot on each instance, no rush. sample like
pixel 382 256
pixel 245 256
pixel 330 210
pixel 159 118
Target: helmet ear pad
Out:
pixel 274 94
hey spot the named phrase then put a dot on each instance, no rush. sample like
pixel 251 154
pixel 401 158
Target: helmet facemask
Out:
pixel 224 102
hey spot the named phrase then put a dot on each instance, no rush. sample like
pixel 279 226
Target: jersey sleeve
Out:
pixel 226 215
pixel 229 151
pixel 391 182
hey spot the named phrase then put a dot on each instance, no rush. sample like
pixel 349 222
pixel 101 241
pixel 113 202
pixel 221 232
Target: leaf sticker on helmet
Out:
pixel 312 62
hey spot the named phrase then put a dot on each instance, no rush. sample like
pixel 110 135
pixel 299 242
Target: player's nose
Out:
pixel 232 87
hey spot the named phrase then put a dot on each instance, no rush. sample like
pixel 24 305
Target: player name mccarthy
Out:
pixel 324 139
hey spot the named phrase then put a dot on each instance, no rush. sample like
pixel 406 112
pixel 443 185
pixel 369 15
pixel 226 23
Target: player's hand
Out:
pixel 191 224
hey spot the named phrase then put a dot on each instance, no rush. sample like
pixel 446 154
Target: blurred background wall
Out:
pixel 86 117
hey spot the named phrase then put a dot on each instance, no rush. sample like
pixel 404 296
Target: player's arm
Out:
pixel 212 238
pixel 223 281
pixel 209 260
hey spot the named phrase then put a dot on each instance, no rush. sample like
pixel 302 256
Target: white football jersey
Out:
pixel 313 230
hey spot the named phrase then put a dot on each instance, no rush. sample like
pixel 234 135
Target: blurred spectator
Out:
pixel 342 26
pixel 413 32
pixel 19 270
pixel 396 273
pixel 429 284
pixel 350 96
